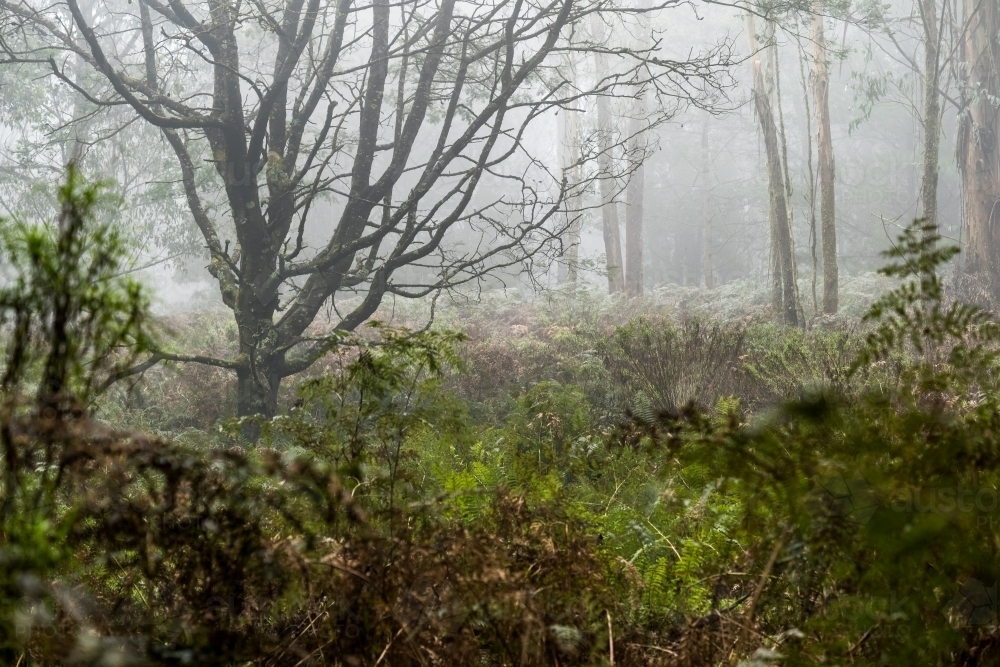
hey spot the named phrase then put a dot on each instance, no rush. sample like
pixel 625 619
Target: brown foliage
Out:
pixel 220 557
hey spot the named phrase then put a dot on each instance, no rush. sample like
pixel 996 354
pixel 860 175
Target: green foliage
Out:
pixel 375 395
pixel 882 507
pixel 624 482
pixel 672 365
pixel 914 313
pixel 74 320
pixel 117 548
pixel 70 320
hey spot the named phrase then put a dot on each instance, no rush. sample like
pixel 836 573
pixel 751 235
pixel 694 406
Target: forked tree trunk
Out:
pixel 609 207
pixel 784 291
pixel 827 172
pixel 979 139
pixel 932 111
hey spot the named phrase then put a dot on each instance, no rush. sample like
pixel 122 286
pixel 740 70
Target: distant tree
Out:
pixel 45 126
pixel 924 29
pixel 635 194
pixel 931 28
pixel 614 265
pixel 708 237
pixel 570 163
pixel 417 119
pixel 784 291
pixel 827 169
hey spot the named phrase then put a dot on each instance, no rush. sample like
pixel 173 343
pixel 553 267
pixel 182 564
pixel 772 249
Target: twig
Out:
pixel 611 640
pixel 655 648
pixel 851 651
pixel 386 649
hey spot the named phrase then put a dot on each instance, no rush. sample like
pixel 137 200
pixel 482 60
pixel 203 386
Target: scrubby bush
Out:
pixel 870 521
pixel 665 366
pixel 666 491
pixel 118 548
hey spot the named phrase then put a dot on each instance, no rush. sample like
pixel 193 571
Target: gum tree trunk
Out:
pixel 570 151
pixel 827 171
pixel 609 207
pixel 706 209
pixel 634 199
pixel 979 139
pixel 784 292
pixel 636 192
pixel 932 111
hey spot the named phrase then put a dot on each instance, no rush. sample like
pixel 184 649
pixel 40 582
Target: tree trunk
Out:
pixel 570 150
pixel 609 207
pixel 636 191
pixel 784 294
pixel 979 139
pixel 932 112
pixel 706 209
pixel 774 85
pixel 634 204
pixel 813 231
pixel 824 143
pixel 73 152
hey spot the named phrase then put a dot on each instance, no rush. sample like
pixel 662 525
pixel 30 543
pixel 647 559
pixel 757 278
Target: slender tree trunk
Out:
pixel 609 208
pixel 570 151
pixel 932 112
pixel 827 171
pixel 979 139
pixel 784 295
pixel 636 191
pixel 813 232
pixel 706 209
pixel 791 267
pixel 634 196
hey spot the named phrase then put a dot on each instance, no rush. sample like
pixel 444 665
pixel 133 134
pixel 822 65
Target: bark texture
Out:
pixel 979 139
pixel 931 111
pixel 827 169
pixel 784 290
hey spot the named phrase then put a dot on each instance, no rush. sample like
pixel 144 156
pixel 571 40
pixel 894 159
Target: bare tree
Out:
pixel 410 126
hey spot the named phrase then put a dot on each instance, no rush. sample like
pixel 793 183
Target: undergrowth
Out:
pixel 579 486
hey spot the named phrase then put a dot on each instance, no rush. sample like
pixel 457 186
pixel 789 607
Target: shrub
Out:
pixel 118 548
pixel 668 366
pixel 867 536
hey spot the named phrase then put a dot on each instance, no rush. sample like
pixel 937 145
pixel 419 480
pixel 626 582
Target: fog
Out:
pixel 477 333
pixel 703 156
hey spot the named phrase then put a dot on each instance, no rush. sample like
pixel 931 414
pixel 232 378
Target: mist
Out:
pixel 455 332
